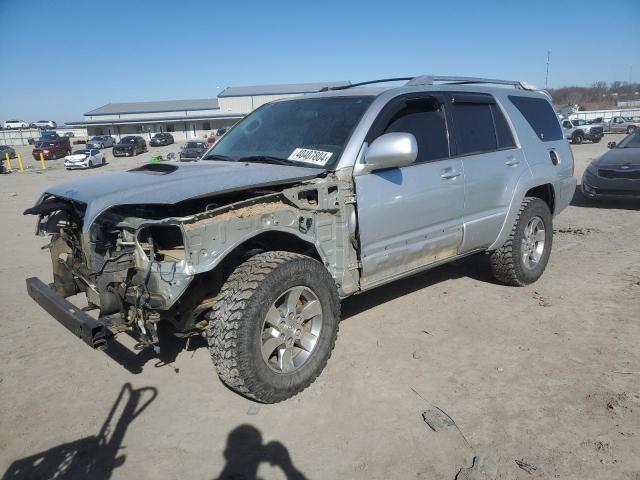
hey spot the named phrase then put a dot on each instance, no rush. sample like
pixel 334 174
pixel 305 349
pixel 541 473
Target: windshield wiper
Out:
pixel 267 159
pixel 215 156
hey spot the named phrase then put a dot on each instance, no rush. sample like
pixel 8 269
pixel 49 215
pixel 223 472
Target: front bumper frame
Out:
pixel 91 331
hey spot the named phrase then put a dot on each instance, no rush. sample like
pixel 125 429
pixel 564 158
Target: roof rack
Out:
pixel 431 79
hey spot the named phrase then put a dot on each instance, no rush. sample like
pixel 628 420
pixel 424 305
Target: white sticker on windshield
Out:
pixel 306 155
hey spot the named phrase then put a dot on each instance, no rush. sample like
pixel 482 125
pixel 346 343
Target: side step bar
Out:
pixel 84 326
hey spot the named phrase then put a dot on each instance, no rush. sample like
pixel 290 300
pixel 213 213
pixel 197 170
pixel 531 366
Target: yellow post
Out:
pixel 8 161
pixel 20 164
pixel 44 167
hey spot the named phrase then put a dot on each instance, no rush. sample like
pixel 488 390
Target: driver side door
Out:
pixel 410 217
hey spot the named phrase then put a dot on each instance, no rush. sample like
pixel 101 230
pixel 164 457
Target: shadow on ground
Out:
pixel 93 457
pixel 245 452
pixel 476 267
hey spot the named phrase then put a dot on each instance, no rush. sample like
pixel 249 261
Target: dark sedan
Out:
pixel 617 172
pixel 129 146
pixel 6 149
pixel 160 139
pixel 193 151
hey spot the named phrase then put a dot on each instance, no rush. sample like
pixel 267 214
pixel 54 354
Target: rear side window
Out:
pixel 474 123
pixel 503 132
pixel 540 115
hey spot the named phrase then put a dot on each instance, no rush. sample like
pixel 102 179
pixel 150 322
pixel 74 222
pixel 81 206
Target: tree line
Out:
pixel 598 96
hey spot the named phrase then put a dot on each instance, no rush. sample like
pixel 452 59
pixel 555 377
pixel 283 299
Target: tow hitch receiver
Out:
pixel 90 330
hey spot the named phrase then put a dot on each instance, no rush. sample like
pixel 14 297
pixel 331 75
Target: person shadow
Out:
pixel 95 456
pixel 245 452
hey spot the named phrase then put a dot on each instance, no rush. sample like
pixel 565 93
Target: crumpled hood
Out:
pixel 617 157
pixel 170 183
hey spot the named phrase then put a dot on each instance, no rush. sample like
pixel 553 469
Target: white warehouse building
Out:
pixel 188 119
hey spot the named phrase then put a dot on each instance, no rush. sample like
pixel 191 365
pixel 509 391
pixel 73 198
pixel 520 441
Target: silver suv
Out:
pixel 303 203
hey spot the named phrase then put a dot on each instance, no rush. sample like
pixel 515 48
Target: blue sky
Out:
pixel 66 57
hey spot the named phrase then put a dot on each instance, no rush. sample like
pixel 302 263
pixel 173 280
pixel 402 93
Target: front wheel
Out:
pixel 631 129
pixel 524 256
pixel 577 139
pixel 274 325
pixel 596 140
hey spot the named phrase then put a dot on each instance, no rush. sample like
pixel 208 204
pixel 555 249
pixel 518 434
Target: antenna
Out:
pixel 546 78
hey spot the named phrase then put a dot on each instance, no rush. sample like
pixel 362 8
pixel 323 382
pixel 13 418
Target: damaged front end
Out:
pixel 141 264
pixel 130 264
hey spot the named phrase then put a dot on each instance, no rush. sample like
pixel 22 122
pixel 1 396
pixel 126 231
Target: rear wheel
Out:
pixel 524 256
pixel 274 325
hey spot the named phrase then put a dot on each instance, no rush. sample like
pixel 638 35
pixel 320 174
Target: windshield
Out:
pixel 630 141
pixel 97 138
pixel 128 140
pixel 80 152
pixel 308 132
pixel 195 145
pixel 579 122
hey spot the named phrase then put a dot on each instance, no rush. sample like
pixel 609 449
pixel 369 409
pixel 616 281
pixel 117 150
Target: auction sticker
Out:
pixel 306 155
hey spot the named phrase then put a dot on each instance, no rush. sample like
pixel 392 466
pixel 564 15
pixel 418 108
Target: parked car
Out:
pixel 11 124
pixel 211 140
pixel 6 149
pixel 617 172
pixel 160 139
pixel 577 131
pixel 45 124
pixel 52 148
pixel 621 124
pixel 101 141
pixel 305 202
pixel 88 158
pixel 49 135
pixel 221 131
pixel 191 151
pixel 129 146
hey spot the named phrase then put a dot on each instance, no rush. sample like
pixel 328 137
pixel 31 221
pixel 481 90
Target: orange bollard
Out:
pixel 8 162
pixel 44 167
pixel 20 164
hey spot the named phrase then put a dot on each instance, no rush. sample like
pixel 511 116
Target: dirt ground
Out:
pixel 541 381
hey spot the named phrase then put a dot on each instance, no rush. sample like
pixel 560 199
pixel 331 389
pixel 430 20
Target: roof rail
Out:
pixel 431 79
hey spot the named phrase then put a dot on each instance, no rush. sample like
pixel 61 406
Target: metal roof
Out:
pixel 156 107
pixel 280 89
pixel 192 118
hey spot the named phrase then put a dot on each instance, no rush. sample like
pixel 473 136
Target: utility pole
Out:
pixel 546 78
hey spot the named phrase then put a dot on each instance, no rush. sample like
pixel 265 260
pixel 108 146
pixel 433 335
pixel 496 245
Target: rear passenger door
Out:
pixel 492 165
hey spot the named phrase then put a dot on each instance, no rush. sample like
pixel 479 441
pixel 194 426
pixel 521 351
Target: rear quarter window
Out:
pixel 540 115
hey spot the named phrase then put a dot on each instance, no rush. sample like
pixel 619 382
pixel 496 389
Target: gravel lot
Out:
pixel 542 381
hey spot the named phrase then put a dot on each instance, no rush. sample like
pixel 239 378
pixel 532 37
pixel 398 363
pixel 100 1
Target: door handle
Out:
pixel 512 162
pixel 449 174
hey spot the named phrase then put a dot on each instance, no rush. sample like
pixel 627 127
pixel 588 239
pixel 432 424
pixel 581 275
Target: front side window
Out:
pixel 425 120
pixel 306 132
pixel 540 116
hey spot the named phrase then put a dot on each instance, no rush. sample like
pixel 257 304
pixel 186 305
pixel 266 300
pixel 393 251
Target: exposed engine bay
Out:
pixel 142 264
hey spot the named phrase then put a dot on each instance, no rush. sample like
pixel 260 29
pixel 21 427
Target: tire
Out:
pixel 577 139
pixel 508 263
pixel 101 146
pixel 596 140
pixel 90 164
pixel 238 331
pixel 631 129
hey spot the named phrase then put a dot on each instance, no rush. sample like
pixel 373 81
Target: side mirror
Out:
pixel 611 144
pixel 390 150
